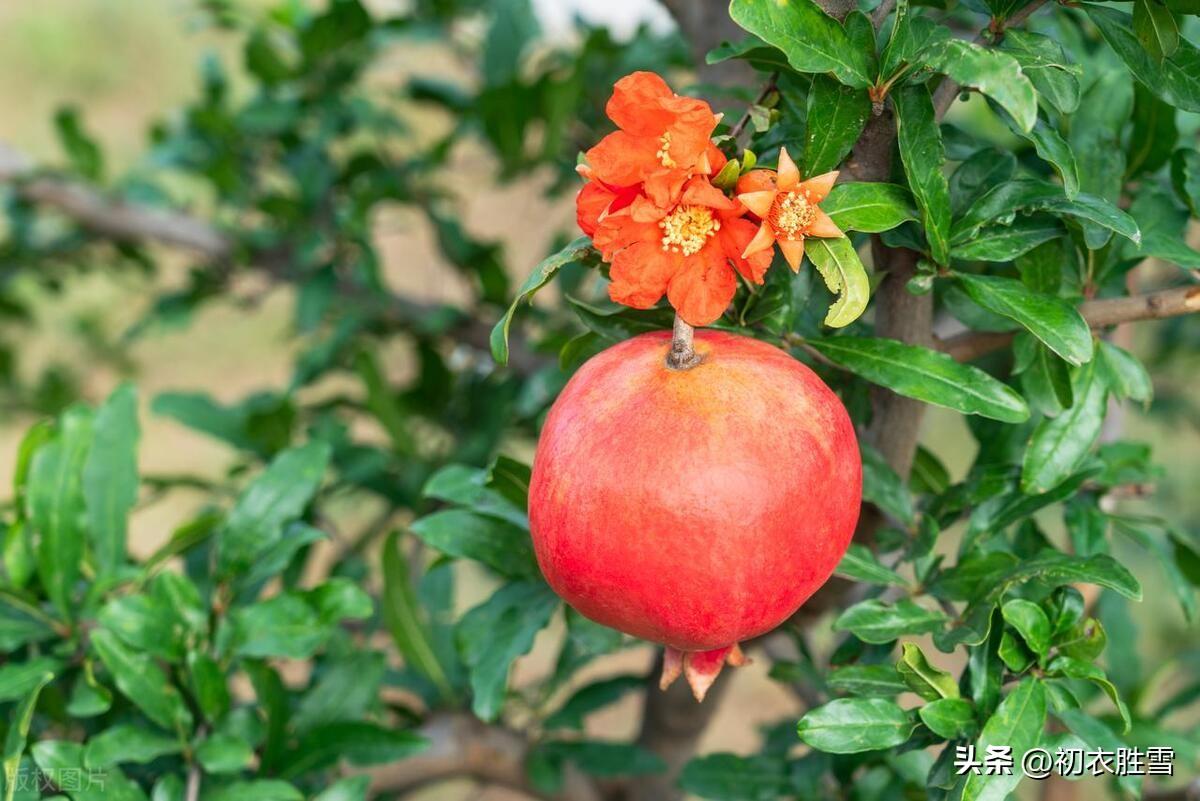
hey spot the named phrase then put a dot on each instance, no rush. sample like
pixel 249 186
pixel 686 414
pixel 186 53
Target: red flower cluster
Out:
pixel 654 215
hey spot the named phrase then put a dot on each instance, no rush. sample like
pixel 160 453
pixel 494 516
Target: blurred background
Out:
pixel 125 72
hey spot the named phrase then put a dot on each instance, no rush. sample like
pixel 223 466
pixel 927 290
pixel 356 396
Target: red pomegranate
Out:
pixel 696 508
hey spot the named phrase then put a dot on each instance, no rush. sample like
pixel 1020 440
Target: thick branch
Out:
pixel 1098 314
pixel 462 746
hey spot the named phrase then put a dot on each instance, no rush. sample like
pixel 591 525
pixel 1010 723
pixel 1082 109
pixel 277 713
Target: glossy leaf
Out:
pixel 1017 723
pixel 925 375
pixel 854 725
pixel 844 274
pixel 1175 79
pixel 859 564
pixel 879 622
pixel 1059 445
pixel 1052 320
pixel 923 155
pixel 926 680
pixel 578 249
pixel 993 72
pixel 110 477
pixel 869 207
pixel 951 718
pixel 811 39
pixel 836 116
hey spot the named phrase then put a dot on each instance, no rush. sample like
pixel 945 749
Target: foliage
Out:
pixel 1074 165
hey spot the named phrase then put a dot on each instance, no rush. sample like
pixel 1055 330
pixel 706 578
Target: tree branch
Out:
pixel 460 745
pixel 131 222
pixel 1098 313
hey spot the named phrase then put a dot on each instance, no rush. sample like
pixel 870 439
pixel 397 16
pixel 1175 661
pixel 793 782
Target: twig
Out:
pixel 1098 314
pixel 882 11
pixel 740 126
pixel 682 355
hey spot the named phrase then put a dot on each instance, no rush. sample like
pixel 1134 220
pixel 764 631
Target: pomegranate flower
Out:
pixel 787 208
pixel 687 250
pixel 662 140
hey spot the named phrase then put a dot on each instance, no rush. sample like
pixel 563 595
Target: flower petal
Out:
pixel 759 203
pixel 757 181
pixel 793 252
pixel 702 288
pixel 663 186
pixel 789 173
pixel 623 159
pixel 822 226
pixel 636 104
pixel 744 245
pixel 590 203
pixel 618 231
pixel 640 274
pixel 699 192
pixel 818 187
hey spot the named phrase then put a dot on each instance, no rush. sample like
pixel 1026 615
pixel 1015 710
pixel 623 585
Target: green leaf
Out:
pixel 86 156
pixel 1046 380
pixel 357 742
pixel 56 507
pixel 875 621
pixel 951 718
pixel 110 477
pixel 926 680
pixel 1175 79
pixel 1058 569
pixel 1017 723
pixel 62 765
pixel 285 626
pixel 1053 73
pixel 923 155
pixel 867 680
pixel 577 250
pixel 836 116
pixel 1156 28
pixel 18 679
pixel 1051 319
pixel 353 788
pixel 259 790
pixel 1054 150
pixel 1170 249
pixel 142 681
pixel 811 39
pixel 1033 194
pixel 492 635
pixel 500 545
pixel 1078 669
pixel 884 488
pixel 277 496
pixel 1060 444
pixel 1008 242
pixel 853 725
pixel 1031 623
pixel 223 753
pixel 925 375
pixel 589 698
pixel 994 73
pixel 1123 374
pixel 146 624
pixel 844 274
pixel 729 777
pixel 209 685
pixel 1153 136
pixel 869 207
pixel 18 733
pixel 1185 177
pixel 346 690
pixel 128 743
pixel 859 564
pixel 404 618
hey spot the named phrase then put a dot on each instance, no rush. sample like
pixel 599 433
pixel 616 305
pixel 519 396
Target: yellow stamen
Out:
pixel 664 154
pixel 791 215
pixel 686 229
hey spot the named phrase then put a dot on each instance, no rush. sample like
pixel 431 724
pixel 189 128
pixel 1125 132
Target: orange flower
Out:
pixel 684 250
pixel 787 207
pixel 596 199
pixel 663 138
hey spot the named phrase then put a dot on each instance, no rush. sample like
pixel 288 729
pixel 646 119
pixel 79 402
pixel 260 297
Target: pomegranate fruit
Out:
pixel 696 508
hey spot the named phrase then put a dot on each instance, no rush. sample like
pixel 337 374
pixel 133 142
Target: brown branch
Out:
pixel 1098 314
pixel 131 222
pixel 460 746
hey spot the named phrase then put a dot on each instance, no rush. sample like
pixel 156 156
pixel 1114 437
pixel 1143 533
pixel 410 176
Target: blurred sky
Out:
pixel 621 16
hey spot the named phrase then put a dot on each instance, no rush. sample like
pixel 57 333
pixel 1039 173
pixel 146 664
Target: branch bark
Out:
pixel 1098 314
pixel 461 745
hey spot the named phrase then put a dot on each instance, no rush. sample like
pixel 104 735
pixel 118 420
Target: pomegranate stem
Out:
pixel 682 355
